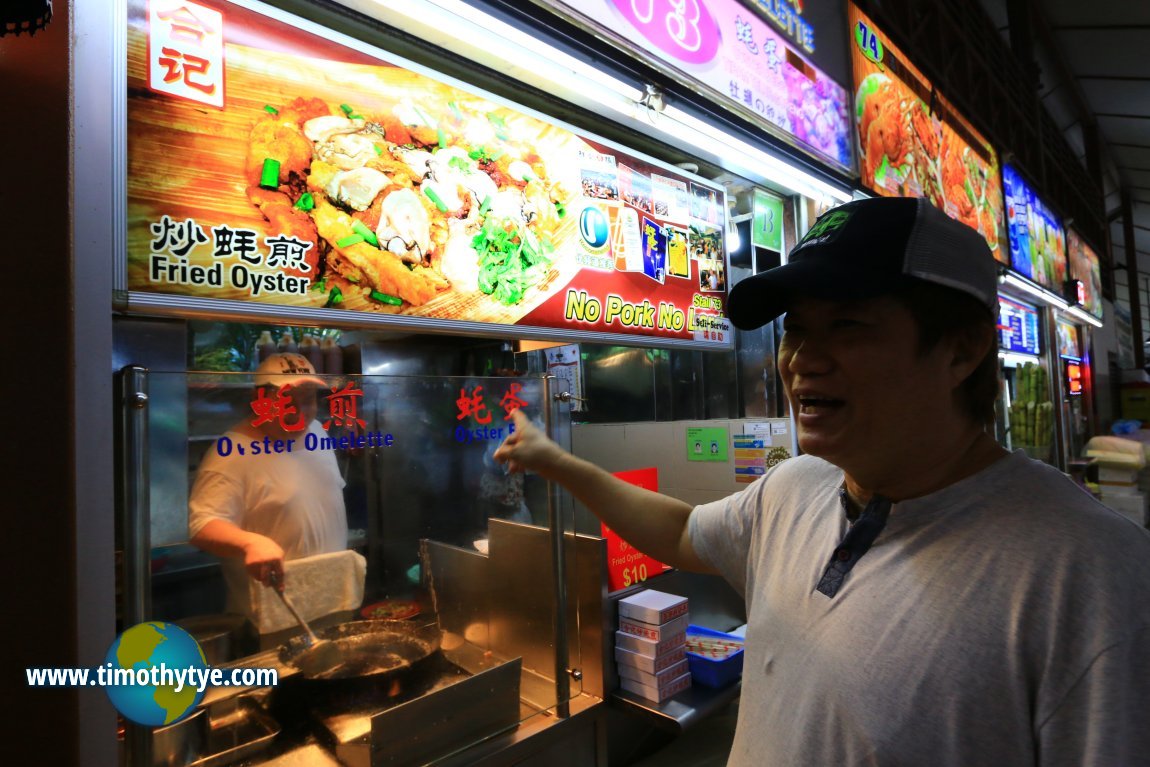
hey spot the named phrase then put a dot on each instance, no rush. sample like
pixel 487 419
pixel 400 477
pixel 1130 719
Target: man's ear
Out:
pixel 968 348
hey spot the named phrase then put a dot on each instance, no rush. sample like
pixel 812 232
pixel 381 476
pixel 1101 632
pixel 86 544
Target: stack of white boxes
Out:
pixel 650 645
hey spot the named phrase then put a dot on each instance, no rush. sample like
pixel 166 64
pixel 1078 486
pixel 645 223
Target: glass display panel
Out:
pixel 391 512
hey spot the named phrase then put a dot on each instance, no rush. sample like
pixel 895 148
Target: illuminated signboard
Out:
pixel 1068 343
pixel 1037 239
pixel 1017 327
pixel 1085 267
pixel 1074 375
pixel 767 221
pixel 305 170
pixel 911 141
pixel 754 67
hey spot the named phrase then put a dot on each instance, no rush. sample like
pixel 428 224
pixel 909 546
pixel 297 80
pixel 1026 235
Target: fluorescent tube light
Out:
pixel 734 242
pixel 487 39
pixel 1053 299
pixel 1014 359
pixel 487 25
pixel 712 139
pixel 1083 316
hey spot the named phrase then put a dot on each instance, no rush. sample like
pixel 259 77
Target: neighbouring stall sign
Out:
pixel 913 143
pixel 1086 268
pixel 735 54
pixel 1017 327
pixel 1074 377
pixel 1074 291
pixel 1069 346
pixel 1037 239
pixel 787 17
pixel 767 221
pixel 331 175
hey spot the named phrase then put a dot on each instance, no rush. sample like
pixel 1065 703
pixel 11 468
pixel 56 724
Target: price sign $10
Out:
pixel 636 574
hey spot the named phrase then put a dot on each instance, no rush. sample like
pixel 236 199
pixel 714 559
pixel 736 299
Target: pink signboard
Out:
pixel 738 56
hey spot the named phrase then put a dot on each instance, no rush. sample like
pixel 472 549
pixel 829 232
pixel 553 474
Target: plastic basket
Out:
pixel 714 672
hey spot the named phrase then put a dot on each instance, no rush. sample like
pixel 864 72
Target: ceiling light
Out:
pixel 1083 316
pixel 1014 359
pixel 1026 286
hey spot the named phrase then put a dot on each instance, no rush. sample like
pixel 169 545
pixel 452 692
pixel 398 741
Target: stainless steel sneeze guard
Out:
pixel 135 522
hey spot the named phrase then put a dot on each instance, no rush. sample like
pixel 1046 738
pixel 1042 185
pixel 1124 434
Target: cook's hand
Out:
pixel 528 449
pixel 262 558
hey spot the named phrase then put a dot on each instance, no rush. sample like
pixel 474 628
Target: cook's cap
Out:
pixel 287 369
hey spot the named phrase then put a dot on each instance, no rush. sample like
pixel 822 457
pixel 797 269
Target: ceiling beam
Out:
pixel 1065 74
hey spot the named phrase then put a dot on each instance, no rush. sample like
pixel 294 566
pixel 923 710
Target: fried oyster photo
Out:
pixel 403 207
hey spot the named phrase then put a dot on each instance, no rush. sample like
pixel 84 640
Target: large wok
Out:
pixel 373 651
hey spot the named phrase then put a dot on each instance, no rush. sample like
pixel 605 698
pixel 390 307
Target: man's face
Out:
pixel 862 395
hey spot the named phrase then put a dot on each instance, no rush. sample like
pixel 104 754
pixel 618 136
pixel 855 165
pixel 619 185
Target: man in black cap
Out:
pixel 915 594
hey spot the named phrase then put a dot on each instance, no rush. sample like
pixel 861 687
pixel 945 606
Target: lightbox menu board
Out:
pixel 1085 267
pixel 1017 327
pixel 1068 345
pixel 1037 239
pixel 272 161
pixel 913 143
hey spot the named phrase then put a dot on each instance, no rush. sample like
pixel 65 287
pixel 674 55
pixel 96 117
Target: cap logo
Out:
pixel 827 228
pixel 288 365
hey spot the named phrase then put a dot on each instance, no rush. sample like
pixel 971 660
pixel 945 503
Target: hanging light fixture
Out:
pixel 29 16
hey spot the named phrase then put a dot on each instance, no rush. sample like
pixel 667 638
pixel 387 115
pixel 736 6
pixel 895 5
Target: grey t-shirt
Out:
pixel 1004 620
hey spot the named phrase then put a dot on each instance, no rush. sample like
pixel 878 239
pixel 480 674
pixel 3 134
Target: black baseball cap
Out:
pixel 865 249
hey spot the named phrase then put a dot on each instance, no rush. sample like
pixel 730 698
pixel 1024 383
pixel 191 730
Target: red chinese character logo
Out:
pixel 343 406
pixel 185 25
pixel 269 409
pixel 511 402
pixel 185 66
pixel 473 405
